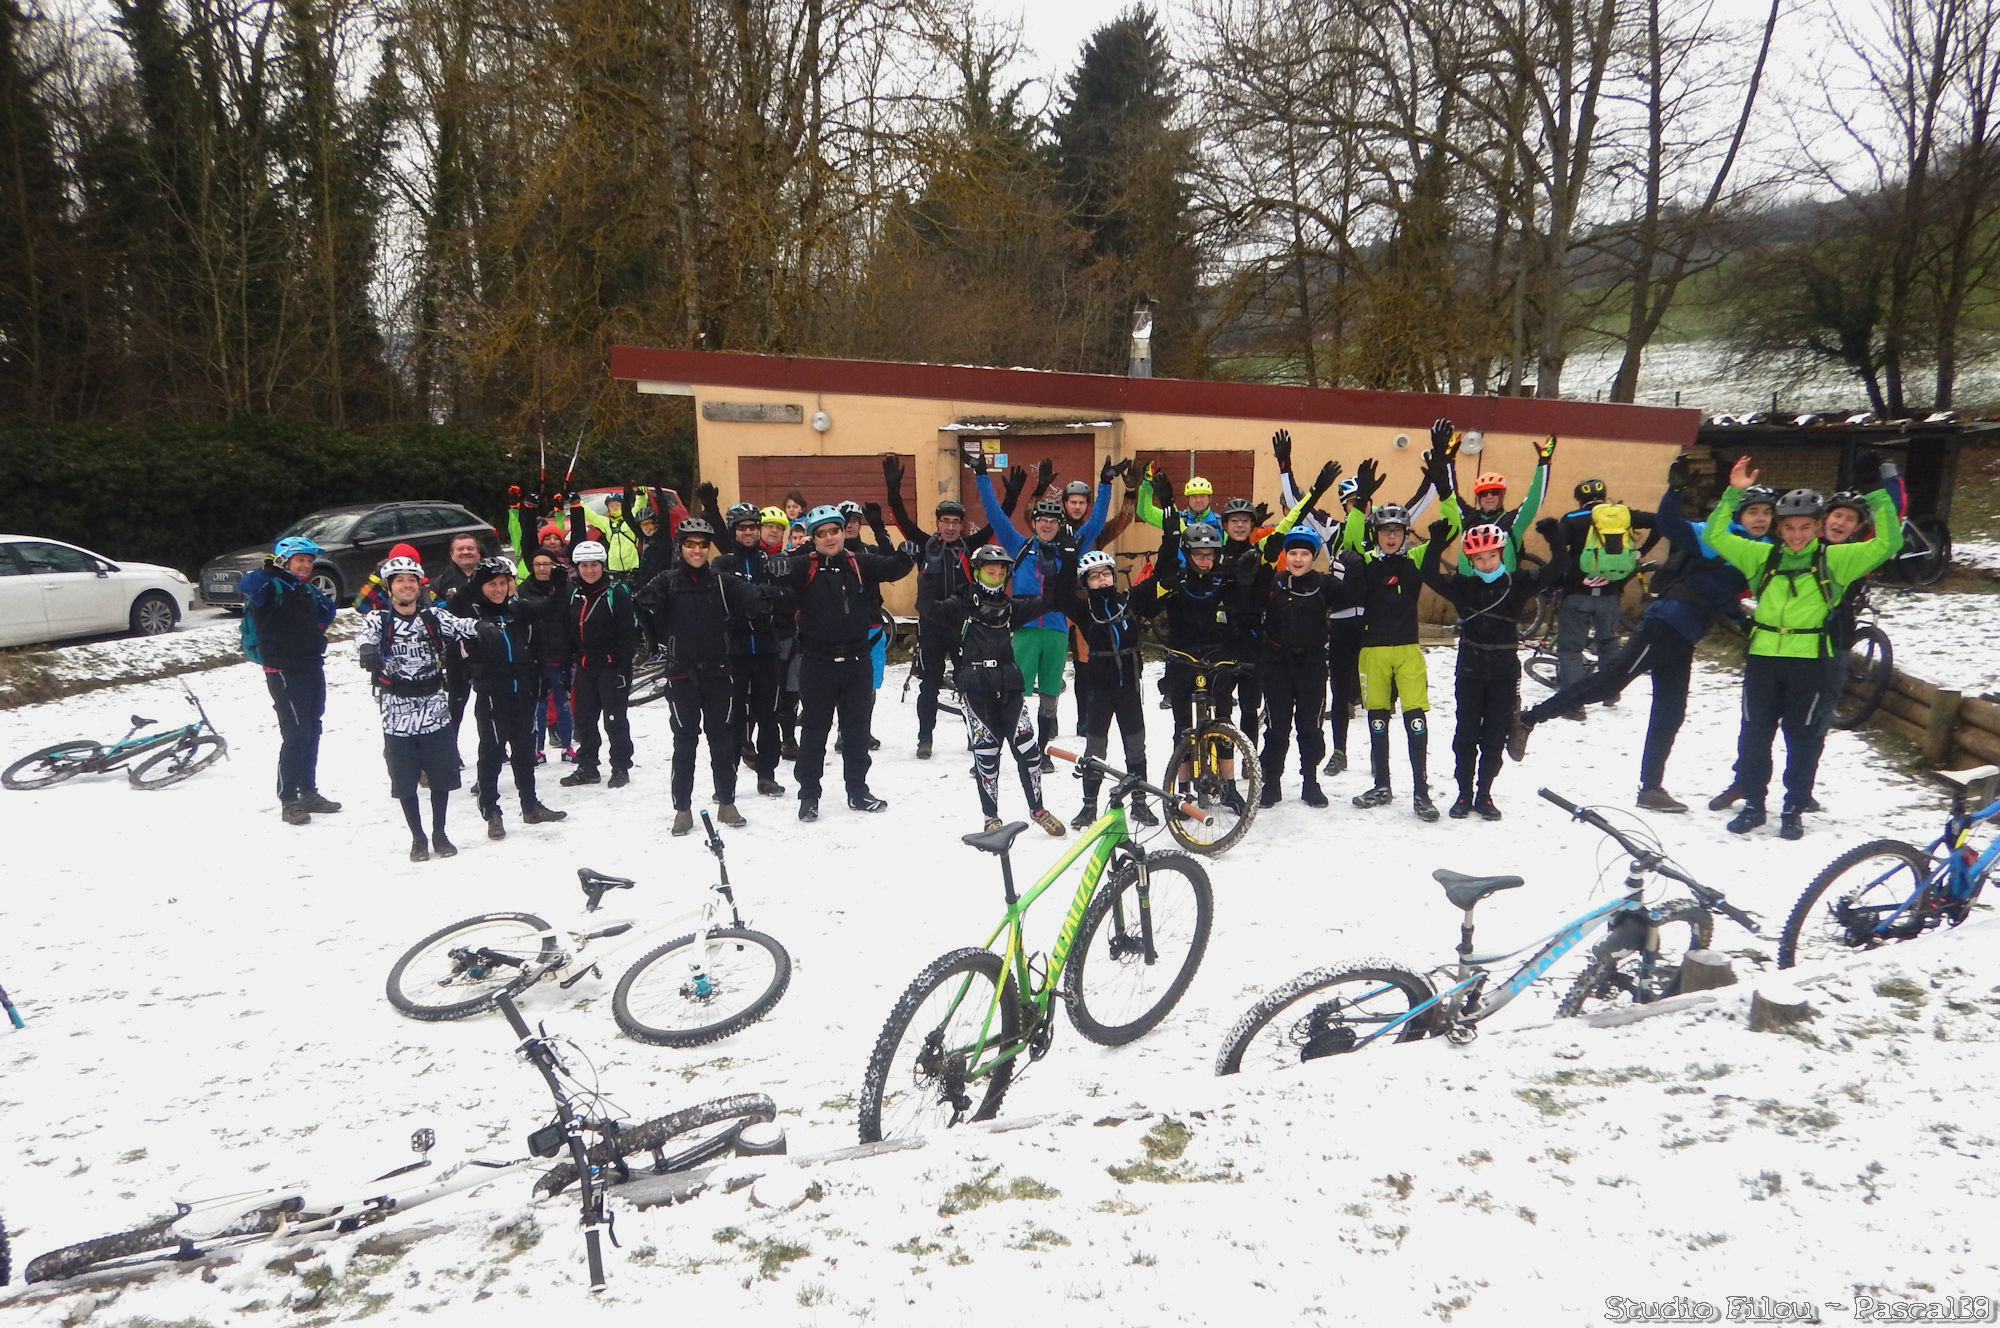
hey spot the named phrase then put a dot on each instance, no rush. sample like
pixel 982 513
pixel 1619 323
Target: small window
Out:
pixel 377 526
pixel 9 564
pixel 42 558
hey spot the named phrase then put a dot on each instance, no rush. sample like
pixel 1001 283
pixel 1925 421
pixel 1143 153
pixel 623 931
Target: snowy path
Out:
pixel 204 993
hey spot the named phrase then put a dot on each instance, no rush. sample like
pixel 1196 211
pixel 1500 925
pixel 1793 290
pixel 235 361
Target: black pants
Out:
pixel 994 720
pixel 1238 697
pixel 505 722
pixel 1654 648
pixel 458 687
pixel 1487 699
pixel 830 687
pixel 1294 687
pixel 1343 673
pixel 703 700
pixel 1127 704
pixel 299 697
pixel 1780 692
pixel 934 642
pixel 758 678
pixel 602 692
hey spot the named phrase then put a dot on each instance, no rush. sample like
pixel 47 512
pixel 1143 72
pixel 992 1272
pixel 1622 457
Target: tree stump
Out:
pixel 1778 1006
pixel 1705 970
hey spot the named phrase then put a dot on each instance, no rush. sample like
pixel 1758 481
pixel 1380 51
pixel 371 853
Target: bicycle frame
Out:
pixel 1955 866
pixel 574 944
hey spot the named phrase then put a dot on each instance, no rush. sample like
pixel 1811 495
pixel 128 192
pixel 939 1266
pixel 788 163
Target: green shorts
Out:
pixel 1401 665
pixel 1041 653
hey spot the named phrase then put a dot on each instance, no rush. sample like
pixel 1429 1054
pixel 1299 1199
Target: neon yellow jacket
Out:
pixel 1792 604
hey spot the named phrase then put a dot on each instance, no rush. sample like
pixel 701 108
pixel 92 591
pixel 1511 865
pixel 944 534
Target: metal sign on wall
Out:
pixel 753 412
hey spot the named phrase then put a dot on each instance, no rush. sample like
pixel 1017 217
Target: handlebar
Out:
pixel 513 1013
pixel 1654 861
pixel 1124 781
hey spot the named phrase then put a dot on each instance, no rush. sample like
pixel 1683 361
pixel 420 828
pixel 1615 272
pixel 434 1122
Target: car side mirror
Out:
pixel 103 568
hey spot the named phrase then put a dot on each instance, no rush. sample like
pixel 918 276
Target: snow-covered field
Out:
pixel 1943 639
pixel 203 990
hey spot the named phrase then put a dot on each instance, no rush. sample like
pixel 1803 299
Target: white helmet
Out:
pixel 395 567
pixel 1095 560
pixel 590 551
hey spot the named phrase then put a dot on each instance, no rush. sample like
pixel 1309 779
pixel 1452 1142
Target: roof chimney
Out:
pixel 1140 365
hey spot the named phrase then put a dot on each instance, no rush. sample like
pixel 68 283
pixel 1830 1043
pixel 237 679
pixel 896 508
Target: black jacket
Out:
pixel 836 601
pixel 510 658
pixel 693 612
pixel 1107 629
pixel 1489 612
pixel 600 627
pixel 984 623
pixel 454 590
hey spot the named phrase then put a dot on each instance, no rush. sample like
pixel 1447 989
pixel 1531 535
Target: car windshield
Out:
pixel 321 527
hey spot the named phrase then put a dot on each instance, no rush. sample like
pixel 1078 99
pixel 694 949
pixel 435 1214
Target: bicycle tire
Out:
pixel 82 1257
pixel 1620 974
pixel 660 1134
pixel 733 1016
pixel 649 684
pixel 1120 963
pixel 1542 667
pixel 76 757
pixel 1205 779
pixel 6 1257
pixel 928 1080
pixel 1871 664
pixel 1267 1040
pixel 1928 568
pixel 1859 901
pixel 189 764
pixel 406 999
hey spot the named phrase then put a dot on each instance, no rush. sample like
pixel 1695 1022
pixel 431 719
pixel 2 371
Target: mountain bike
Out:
pixel 1926 553
pixel 1330 1011
pixel 170 756
pixel 649 680
pixel 678 1142
pixel 1123 957
pixel 1206 763
pixel 1871 665
pixel 1887 890
pixel 696 988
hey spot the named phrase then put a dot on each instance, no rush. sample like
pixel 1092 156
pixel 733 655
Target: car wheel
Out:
pixel 154 614
pixel 328 581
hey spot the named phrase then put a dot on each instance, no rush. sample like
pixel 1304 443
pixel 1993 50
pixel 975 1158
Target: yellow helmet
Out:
pixel 1196 484
pixel 773 516
pixel 1611 519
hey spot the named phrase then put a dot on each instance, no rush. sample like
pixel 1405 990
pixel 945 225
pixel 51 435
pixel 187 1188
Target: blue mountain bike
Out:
pixel 171 755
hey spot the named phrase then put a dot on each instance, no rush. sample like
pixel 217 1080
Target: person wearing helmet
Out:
pixel 772 523
pixel 1041 646
pixel 547 584
pixel 1293 601
pixel 743 525
pixel 601 625
pixel 1108 670
pixel 1198 492
pixel 1489 502
pixel 505 669
pixel 403 650
pixel 985 615
pixel 1798 583
pixel 1602 550
pixel 1755 512
pixel 287 616
pixel 1489 592
pixel 374 592
pixel 621 537
pixel 944 570
pixel 1344 604
pixel 836 594
pixel 1693 589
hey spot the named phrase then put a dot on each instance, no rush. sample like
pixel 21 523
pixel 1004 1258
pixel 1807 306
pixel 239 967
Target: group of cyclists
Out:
pixel 767 627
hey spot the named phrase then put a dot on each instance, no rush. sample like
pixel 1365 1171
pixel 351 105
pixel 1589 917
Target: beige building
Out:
pixel 768 425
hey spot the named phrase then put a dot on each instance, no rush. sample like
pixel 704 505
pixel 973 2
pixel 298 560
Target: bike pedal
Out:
pixel 1461 1035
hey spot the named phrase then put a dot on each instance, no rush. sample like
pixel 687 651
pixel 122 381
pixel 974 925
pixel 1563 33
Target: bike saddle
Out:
pixel 140 721
pixel 1965 779
pixel 598 878
pixel 1465 891
pixel 995 841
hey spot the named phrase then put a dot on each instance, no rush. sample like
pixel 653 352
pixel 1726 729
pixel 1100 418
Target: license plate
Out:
pixel 221 583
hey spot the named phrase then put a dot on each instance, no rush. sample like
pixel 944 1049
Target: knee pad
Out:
pixel 1378 721
pixel 1413 720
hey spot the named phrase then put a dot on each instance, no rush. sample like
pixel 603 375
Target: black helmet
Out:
pixel 1802 502
pixel 1756 493
pixel 1076 487
pixel 1046 508
pixel 490 569
pixel 1201 536
pixel 1852 499
pixel 1591 491
pixel 1238 507
pixel 694 526
pixel 950 507
pixel 741 514
pixel 991 553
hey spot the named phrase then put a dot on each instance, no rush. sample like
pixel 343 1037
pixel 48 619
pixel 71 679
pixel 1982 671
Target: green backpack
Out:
pixel 1599 561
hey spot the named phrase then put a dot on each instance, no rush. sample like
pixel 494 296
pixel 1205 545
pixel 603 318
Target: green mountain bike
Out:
pixel 1122 959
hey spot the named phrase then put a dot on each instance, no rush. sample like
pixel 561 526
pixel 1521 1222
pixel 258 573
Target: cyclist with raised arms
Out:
pixel 1107 659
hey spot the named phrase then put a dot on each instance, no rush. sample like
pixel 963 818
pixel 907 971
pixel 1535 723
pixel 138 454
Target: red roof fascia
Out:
pixel 1107 393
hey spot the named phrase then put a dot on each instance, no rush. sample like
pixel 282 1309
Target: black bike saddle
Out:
pixel 140 721
pixel 590 878
pixel 995 841
pixel 1465 891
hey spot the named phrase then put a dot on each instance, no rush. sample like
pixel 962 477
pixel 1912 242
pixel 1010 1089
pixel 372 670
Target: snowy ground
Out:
pixel 203 989
pixel 1943 639
pixel 1983 555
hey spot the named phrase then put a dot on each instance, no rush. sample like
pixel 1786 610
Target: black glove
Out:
pixel 1017 480
pixel 1260 515
pixel 892 472
pixel 1549 529
pixel 1440 532
pixel 531 502
pixel 1163 489
pixel 1367 481
pixel 1679 472
pixel 977 461
pixel 1324 480
pixel 271 563
pixel 371 660
pixel 1045 474
pixel 1440 436
pixel 1106 471
pixel 910 549
pixel 872 513
pixel 778 566
pixel 1124 471
pixel 1281 447
pixel 1248 564
pixel 706 494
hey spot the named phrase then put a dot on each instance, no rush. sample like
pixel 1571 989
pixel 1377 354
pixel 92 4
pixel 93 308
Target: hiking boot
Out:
pixel 441 846
pixel 1048 766
pixel 1790 826
pixel 1517 740
pixel 1379 796
pixel 726 813
pixel 808 809
pixel 1050 822
pixel 619 779
pixel 1747 820
pixel 1421 803
pixel 1487 811
pixel 1083 819
pixel 295 813
pixel 1335 764
pixel 749 760
pixel 495 827
pixel 1659 800
pixel 769 787
pixel 536 814
pixel 683 821
pixel 1461 806
pixel 420 849
pixel 1576 715
pixel 1811 804
pixel 874 744
pixel 1311 795
pixel 1270 796
pixel 1726 799
pixel 992 824
pixel 314 802
pixel 1139 813
pixel 583 774
pixel 923 749
pixel 789 751
pixel 866 802
pixel 1610 703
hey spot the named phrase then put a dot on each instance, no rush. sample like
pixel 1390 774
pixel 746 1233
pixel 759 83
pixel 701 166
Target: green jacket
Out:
pixel 1792 604
pixel 1516 523
pixel 1354 531
pixel 621 543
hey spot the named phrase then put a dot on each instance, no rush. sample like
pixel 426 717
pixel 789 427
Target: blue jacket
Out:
pixel 291 617
pixel 1708 587
pixel 1038 563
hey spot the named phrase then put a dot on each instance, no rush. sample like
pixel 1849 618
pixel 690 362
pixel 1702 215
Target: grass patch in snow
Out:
pixel 1587 1078
pixel 1164 1144
pixel 1542 1100
pixel 968 1195
pixel 1040 1239
pixel 773 1255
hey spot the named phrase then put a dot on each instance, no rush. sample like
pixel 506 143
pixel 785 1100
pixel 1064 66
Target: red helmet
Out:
pixel 1483 539
pixel 1490 482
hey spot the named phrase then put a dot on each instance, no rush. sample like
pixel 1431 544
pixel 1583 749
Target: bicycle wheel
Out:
pixel 178 762
pixel 679 1141
pixel 87 1254
pixel 916 1080
pixel 1870 665
pixel 1541 666
pixel 1205 753
pixel 52 765
pixel 1622 974
pixel 6 1258
pixel 1115 994
pixel 682 995
pixel 649 683
pixel 1928 566
pixel 1325 1012
pixel 1850 904
pixel 461 969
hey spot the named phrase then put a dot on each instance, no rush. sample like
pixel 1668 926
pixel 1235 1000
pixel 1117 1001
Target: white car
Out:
pixel 50 590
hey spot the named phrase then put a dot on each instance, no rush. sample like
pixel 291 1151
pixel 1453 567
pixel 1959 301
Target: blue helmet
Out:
pixel 1302 537
pixel 823 515
pixel 1347 488
pixel 292 545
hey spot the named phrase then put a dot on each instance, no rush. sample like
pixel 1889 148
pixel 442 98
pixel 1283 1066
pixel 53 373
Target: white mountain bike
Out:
pixel 696 987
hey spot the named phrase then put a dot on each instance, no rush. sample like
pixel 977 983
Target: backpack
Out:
pixel 1598 561
pixel 246 636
